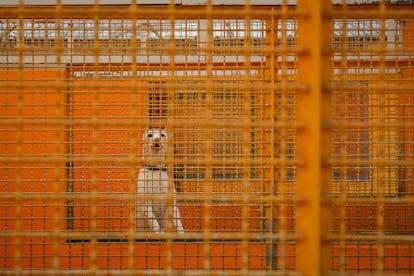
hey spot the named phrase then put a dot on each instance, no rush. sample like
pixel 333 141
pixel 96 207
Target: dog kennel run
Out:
pixel 291 136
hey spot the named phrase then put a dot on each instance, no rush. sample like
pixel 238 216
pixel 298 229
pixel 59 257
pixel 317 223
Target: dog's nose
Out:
pixel 156 139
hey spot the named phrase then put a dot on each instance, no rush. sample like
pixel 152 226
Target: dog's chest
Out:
pixel 152 181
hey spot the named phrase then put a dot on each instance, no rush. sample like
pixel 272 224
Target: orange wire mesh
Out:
pixel 290 139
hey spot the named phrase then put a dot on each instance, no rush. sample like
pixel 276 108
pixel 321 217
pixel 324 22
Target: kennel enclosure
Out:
pixel 291 136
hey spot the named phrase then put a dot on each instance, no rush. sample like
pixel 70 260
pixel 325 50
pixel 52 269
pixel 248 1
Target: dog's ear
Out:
pixel 144 135
pixel 144 143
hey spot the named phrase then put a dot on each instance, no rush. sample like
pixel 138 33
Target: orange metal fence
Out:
pixel 290 138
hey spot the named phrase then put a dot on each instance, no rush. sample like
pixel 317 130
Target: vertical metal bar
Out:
pixel 95 140
pixel 325 224
pixel 209 140
pixel 132 189
pixel 19 139
pixel 270 213
pixel 283 137
pixel 59 90
pixel 381 138
pixel 312 257
pixel 171 84
pixel 342 133
pixel 69 150
pixel 246 133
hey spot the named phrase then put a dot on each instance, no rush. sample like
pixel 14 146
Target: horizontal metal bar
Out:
pixel 259 52
pixel 287 123
pixel 188 12
pixel 99 159
pixel 183 199
pixel 127 235
pixel 148 271
pixel 373 238
pixel 179 85
pixel 377 162
pixel 344 124
pixel 194 198
pixel 394 87
pixel 370 11
pixel 351 201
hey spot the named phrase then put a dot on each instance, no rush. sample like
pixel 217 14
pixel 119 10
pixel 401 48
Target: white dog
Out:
pixel 152 214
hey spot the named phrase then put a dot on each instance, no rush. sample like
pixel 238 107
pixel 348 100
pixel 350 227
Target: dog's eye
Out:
pixel 162 135
pixel 149 135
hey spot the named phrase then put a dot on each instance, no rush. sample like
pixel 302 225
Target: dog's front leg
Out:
pixel 152 219
pixel 177 219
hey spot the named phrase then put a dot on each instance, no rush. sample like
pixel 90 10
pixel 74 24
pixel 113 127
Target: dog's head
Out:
pixel 155 142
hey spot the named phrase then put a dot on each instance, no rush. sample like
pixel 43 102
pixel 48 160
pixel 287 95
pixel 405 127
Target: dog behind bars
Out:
pixel 152 213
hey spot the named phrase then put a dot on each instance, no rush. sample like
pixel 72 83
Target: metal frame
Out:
pixel 253 155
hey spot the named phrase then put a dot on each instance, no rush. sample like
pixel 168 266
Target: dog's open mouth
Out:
pixel 156 147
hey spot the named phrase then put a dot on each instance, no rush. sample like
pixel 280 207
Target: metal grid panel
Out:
pixel 371 132
pixel 261 182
